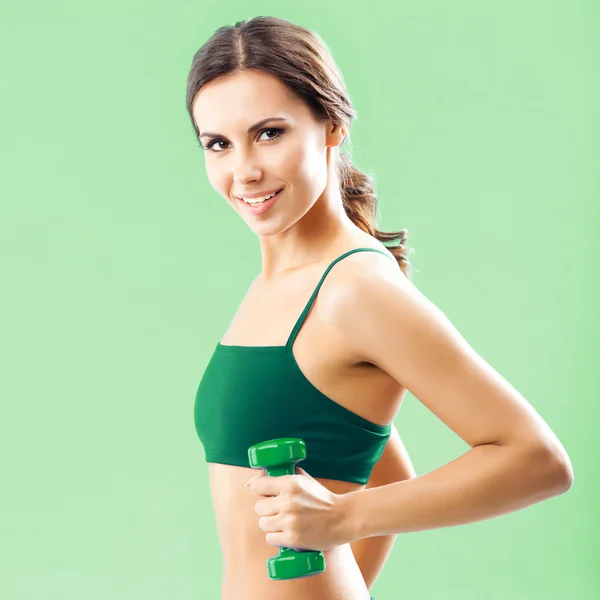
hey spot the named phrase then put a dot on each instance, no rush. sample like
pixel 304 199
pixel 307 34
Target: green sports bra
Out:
pixel 251 394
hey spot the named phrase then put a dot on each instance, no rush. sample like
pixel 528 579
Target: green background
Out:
pixel 122 267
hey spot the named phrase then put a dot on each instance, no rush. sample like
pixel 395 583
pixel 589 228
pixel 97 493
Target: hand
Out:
pixel 298 512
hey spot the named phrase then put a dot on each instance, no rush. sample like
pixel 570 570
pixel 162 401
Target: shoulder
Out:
pixel 381 317
pixel 363 264
pixel 362 279
pixel 379 312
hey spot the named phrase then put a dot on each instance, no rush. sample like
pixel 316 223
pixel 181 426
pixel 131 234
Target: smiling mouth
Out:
pixel 263 207
pixel 262 201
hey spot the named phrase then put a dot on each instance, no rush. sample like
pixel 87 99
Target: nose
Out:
pixel 245 170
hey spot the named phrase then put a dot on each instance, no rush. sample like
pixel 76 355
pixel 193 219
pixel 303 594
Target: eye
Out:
pixel 278 132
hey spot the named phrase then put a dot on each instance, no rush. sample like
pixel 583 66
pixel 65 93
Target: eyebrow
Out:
pixel 250 129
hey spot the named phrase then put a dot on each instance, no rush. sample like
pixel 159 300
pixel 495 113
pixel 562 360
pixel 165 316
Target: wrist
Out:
pixel 353 515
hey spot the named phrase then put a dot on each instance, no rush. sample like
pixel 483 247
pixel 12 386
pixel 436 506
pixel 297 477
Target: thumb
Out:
pixel 249 482
pixel 303 472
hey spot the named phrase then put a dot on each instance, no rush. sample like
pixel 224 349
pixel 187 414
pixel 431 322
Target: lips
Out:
pixel 257 195
pixel 261 208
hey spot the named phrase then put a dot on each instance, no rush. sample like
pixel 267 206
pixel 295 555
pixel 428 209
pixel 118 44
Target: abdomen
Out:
pixel 245 550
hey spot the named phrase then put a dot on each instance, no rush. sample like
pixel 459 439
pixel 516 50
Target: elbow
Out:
pixel 565 476
pixel 555 462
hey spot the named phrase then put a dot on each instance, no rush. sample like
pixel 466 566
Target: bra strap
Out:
pixel 309 304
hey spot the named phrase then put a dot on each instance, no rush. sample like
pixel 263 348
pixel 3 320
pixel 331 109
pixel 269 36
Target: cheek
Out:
pixel 218 182
pixel 212 175
pixel 284 163
pixel 302 165
pixel 312 169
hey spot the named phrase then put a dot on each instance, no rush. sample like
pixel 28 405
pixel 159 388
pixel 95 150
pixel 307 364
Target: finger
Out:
pixel 266 486
pixel 266 507
pixel 249 482
pixel 275 538
pixel 303 472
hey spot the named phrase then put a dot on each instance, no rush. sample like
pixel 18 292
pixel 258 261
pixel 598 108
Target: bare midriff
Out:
pixel 245 550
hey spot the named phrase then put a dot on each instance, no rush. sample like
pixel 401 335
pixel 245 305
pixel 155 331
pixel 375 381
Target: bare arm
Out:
pixel 487 481
pixel 394 465
pixel 515 459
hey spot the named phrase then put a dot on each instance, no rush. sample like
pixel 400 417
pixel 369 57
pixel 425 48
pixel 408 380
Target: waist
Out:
pixel 245 577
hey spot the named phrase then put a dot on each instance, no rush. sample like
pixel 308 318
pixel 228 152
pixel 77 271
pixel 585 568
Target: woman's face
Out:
pixel 289 154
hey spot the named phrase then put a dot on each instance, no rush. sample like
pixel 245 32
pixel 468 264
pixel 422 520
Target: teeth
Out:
pixel 258 200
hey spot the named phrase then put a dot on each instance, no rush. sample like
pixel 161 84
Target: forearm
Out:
pixel 487 481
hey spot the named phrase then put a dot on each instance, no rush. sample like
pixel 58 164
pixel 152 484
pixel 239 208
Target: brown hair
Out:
pixel 300 59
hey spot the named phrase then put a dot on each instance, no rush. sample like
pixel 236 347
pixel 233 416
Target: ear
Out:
pixel 336 134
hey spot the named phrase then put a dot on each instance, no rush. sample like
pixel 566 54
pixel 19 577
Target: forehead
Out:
pixel 243 98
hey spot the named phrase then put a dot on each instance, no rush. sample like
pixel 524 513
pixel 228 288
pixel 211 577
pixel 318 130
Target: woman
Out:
pixel 329 337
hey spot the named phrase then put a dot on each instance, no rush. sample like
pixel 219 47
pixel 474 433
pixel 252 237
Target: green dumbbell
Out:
pixel 279 457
